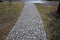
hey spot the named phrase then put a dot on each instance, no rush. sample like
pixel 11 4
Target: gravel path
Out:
pixel 29 25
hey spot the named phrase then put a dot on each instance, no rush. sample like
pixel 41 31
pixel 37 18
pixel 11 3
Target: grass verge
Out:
pixel 8 16
pixel 51 23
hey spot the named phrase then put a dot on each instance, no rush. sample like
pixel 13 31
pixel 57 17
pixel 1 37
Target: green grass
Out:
pixel 8 16
pixel 45 12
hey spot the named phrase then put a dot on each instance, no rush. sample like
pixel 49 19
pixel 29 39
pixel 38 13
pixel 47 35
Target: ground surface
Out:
pixel 52 23
pixel 29 26
pixel 8 16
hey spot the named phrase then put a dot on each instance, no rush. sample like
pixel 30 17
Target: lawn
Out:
pixel 8 16
pixel 52 25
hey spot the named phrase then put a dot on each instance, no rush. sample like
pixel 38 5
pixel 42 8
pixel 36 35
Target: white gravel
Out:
pixel 29 25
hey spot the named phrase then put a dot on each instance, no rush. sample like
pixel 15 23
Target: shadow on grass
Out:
pixel 54 26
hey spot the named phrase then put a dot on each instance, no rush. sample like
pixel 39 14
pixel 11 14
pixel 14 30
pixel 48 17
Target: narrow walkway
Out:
pixel 29 25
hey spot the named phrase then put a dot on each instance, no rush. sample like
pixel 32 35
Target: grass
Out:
pixel 8 16
pixel 51 23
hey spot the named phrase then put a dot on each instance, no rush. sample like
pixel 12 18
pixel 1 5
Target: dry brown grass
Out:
pixel 50 22
pixel 8 16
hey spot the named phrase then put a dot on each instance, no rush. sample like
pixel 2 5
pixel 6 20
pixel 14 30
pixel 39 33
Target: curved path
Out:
pixel 29 25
